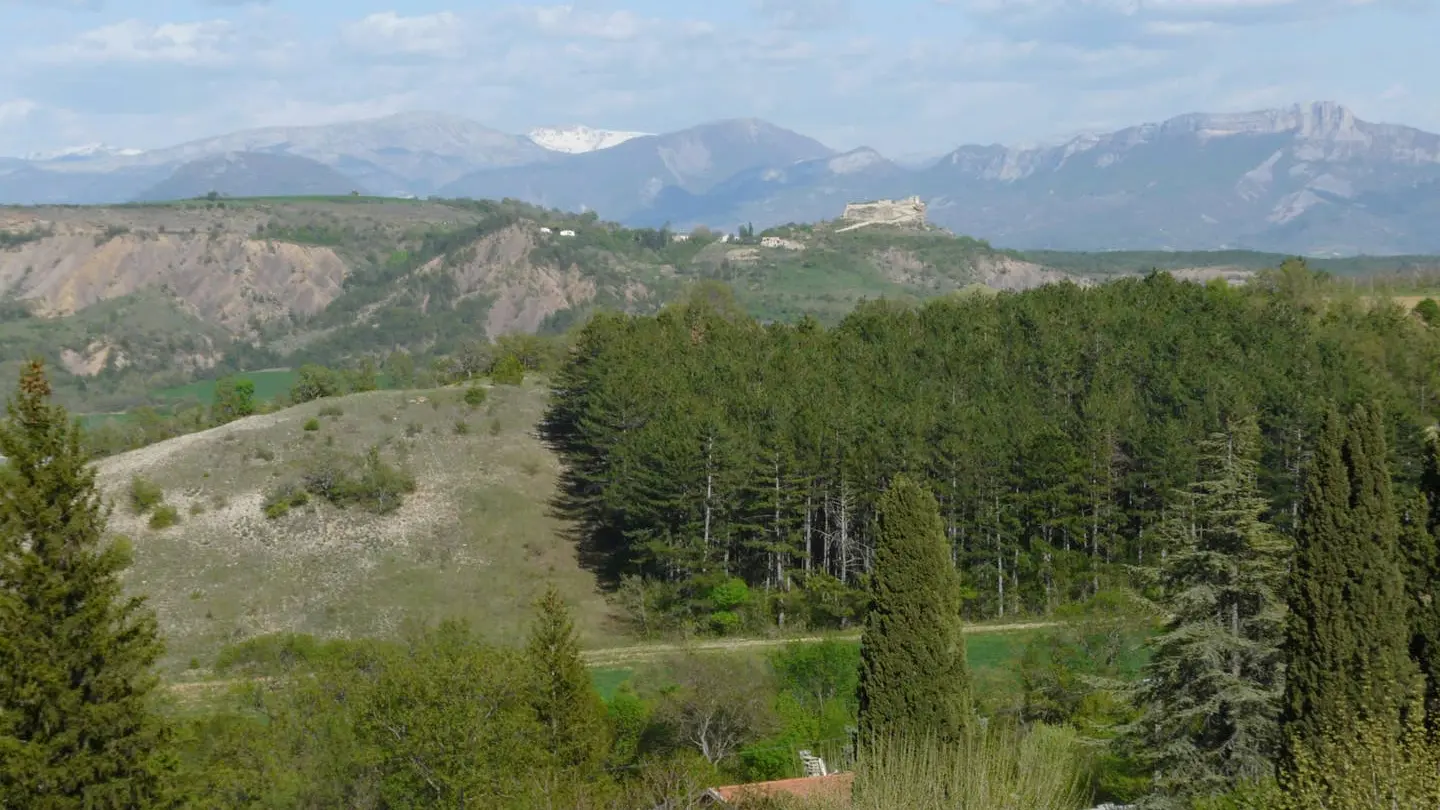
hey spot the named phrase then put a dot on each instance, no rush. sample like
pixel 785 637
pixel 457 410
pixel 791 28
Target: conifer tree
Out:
pixel 576 731
pixel 1348 634
pixel 914 679
pixel 1211 695
pixel 1422 563
pixel 76 730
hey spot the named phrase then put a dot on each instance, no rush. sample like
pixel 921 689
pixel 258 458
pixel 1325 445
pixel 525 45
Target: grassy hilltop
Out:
pixel 474 540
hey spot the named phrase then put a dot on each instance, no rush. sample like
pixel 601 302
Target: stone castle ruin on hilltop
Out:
pixel 909 212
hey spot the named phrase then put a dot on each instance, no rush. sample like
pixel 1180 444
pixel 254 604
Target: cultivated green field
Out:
pixel 269 384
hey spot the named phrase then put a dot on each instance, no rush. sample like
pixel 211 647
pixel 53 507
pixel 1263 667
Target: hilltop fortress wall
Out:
pixel 910 211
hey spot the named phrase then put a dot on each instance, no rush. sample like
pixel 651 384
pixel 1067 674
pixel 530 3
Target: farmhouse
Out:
pixel 778 242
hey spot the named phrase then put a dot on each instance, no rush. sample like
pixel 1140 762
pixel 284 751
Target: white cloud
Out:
pixel 804 14
pixel 567 21
pixel 15 111
pixel 209 42
pixel 1099 21
pixel 389 34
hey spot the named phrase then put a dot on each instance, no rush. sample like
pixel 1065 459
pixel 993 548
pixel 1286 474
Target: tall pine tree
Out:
pixel 576 729
pixel 1349 632
pixel 1211 695
pixel 914 679
pixel 76 729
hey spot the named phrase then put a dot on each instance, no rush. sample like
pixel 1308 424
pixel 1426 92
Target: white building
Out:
pixel 567 233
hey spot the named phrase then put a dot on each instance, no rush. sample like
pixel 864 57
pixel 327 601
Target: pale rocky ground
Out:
pixel 477 540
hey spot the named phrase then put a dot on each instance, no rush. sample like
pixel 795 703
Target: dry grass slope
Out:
pixel 475 540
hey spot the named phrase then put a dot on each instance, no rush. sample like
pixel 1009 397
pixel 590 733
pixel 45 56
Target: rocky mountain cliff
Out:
pixel 1310 179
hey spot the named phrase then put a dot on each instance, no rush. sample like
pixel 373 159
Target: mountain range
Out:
pixel 1309 179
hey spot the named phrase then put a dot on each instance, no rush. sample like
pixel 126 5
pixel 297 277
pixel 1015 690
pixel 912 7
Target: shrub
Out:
pixel 164 517
pixel 462 428
pixel 332 411
pixel 508 370
pixel 312 424
pixel 414 429
pixel 495 428
pixel 314 382
pixel 1367 763
pixel 264 454
pixel 475 396
pixel 281 499
pixel 378 487
pixel 999 769
pixel 197 508
pixel 144 495
pixel 725 622
pixel 1429 311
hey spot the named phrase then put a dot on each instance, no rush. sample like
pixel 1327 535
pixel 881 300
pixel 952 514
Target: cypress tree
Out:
pixel 1422 562
pixel 1349 631
pixel 914 680
pixel 76 730
pixel 1211 695
pixel 576 730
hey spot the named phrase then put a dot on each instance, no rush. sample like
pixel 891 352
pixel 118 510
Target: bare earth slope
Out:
pixel 475 540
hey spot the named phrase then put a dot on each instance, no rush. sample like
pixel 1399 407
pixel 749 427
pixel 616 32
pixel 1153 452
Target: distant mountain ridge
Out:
pixel 252 174
pixel 1309 178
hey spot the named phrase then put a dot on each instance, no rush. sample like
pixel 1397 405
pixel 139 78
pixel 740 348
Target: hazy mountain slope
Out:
pixel 476 540
pixel 251 174
pixel 624 179
pixel 1310 179
pixel 1190 182
pixel 28 183
pixel 804 191
pixel 409 153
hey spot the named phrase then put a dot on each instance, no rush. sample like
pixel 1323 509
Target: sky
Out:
pixel 908 77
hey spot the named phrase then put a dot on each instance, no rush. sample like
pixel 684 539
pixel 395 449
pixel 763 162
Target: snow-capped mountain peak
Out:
pixel 89 150
pixel 574 140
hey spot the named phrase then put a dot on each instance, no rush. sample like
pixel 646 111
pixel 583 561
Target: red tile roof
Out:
pixel 836 785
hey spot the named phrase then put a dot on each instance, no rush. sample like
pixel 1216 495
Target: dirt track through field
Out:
pixel 639 653
pixel 649 652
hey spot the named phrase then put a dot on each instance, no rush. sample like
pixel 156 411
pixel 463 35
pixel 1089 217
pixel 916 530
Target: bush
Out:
pixel 144 495
pixel 332 411
pixel 379 487
pixel 462 428
pixel 414 429
pixel 1000 769
pixel 164 517
pixel 312 424
pixel 475 396
pixel 508 371
pixel 264 454
pixel 725 622
pixel 280 500
pixel 314 382
pixel 1367 763
pixel 1429 311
